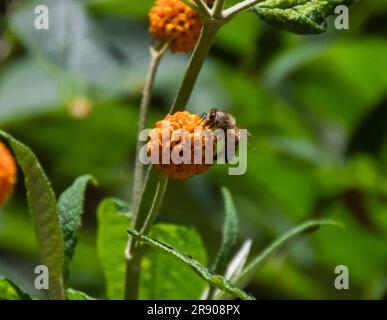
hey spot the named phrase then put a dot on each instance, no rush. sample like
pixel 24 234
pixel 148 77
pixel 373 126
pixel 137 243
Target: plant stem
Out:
pixel 134 260
pixel 203 8
pixel 56 291
pixel 132 276
pixel 149 194
pixel 238 8
pixel 144 218
pixel 218 8
pixel 156 55
pixel 147 199
pixel 195 64
pixel 161 187
pixel 191 4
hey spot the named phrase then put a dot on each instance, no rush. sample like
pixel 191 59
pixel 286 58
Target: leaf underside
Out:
pixel 70 208
pixel 298 16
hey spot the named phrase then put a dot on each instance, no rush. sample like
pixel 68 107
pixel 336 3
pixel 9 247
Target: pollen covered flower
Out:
pixel 7 173
pixel 181 145
pixel 172 20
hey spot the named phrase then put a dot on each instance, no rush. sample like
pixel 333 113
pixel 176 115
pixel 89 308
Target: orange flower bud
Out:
pixel 181 134
pixel 7 173
pixel 172 20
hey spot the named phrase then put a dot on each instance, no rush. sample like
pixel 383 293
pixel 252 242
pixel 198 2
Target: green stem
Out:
pixel 203 8
pixel 150 201
pixel 132 276
pixel 161 187
pixel 147 197
pixel 133 260
pixel 206 38
pixel 156 55
pixel 238 8
pixel 218 8
pixel 144 216
pixel 56 291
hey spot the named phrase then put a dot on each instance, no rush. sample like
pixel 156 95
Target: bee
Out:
pixel 216 119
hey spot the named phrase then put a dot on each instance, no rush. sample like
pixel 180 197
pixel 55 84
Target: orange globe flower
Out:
pixel 172 20
pixel 182 136
pixel 7 173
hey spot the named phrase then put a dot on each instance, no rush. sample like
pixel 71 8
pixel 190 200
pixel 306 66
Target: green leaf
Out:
pixel 298 16
pixel 9 291
pixel 72 294
pixel 211 278
pixel 44 214
pixel 113 221
pixel 70 208
pixel 162 277
pixel 230 233
pixel 255 265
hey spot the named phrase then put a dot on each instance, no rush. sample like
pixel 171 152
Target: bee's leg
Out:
pixel 212 124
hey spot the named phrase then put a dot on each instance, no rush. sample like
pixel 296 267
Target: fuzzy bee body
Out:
pixel 216 119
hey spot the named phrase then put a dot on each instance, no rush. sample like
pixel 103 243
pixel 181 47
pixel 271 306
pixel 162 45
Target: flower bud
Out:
pixel 172 20
pixel 7 173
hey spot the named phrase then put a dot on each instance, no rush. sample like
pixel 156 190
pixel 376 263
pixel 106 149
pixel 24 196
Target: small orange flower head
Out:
pixel 172 20
pixel 7 173
pixel 181 134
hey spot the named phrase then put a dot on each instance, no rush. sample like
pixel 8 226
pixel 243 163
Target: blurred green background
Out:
pixel 316 107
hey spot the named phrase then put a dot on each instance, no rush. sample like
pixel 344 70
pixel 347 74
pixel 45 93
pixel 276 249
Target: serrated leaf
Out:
pixel 70 208
pixel 72 294
pixel 113 221
pixel 298 16
pixel 44 214
pixel 10 291
pixel 164 278
pixel 210 277
pixel 256 264
pixel 230 233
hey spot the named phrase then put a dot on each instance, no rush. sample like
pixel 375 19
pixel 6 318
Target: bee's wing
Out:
pixel 249 134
